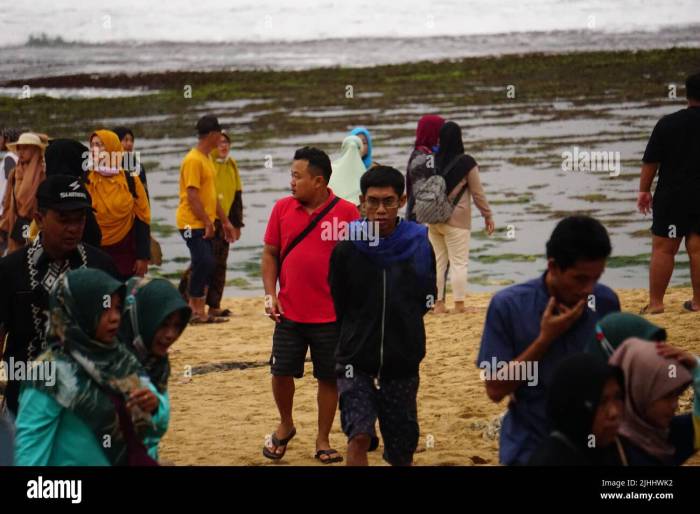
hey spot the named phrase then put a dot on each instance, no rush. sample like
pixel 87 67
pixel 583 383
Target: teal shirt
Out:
pixel 49 435
pixel 161 419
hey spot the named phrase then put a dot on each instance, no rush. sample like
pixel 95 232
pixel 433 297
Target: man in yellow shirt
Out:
pixel 199 208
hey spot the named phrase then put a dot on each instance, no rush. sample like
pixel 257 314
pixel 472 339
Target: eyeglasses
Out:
pixel 389 203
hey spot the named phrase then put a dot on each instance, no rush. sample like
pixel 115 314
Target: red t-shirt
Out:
pixel 304 294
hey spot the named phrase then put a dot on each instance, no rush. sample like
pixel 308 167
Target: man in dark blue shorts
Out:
pixel 674 151
pixel 383 283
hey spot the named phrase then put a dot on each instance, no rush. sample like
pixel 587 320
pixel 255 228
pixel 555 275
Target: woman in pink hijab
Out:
pixel 655 377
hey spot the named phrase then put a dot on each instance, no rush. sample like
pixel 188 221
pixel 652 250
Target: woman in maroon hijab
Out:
pixel 427 137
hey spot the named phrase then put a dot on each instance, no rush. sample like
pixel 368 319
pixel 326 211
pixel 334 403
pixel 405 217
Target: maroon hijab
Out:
pixel 428 131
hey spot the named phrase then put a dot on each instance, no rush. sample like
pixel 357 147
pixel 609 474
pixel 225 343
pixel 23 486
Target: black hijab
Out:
pixel 66 157
pixel 123 131
pixel 574 395
pixel 451 146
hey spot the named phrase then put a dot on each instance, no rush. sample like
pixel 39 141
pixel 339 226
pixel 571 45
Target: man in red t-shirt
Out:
pixel 303 310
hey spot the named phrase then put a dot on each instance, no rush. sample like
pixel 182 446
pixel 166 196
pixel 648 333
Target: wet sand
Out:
pixel 222 417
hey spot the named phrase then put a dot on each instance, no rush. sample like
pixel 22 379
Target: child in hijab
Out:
pixel 585 408
pixel 655 377
pixel 616 327
pixel 366 150
pixel 154 318
pixel 348 170
pixel 90 407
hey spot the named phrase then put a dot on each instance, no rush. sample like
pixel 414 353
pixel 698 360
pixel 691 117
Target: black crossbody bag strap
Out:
pixel 307 230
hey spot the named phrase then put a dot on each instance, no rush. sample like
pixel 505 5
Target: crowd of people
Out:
pixel 586 383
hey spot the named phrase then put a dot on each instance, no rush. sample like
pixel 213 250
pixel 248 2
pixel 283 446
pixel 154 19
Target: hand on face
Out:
pixel 557 318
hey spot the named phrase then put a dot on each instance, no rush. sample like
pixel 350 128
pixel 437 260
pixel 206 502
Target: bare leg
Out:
pixel 357 450
pixel 440 307
pixel 197 306
pixel 663 253
pixel 692 245
pixel 283 391
pixel 327 399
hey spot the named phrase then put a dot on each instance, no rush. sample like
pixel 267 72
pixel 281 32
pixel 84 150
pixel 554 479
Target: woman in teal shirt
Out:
pixel 154 317
pixel 91 408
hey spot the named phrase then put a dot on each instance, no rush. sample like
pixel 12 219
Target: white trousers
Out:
pixel 451 245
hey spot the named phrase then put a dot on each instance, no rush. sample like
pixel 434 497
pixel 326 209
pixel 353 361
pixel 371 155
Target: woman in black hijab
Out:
pixel 69 157
pixel 585 408
pixel 131 163
pixel 450 239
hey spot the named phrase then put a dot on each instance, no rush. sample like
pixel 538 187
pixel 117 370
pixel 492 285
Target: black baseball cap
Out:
pixel 62 193
pixel 208 123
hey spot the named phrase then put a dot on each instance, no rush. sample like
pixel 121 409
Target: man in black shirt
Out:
pixel 381 287
pixel 28 275
pixel 673 150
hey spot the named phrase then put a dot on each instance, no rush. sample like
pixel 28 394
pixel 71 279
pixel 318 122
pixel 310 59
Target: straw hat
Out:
pixel 28 138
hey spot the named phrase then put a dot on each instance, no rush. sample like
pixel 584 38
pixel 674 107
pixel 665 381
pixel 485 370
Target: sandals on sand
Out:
pixel 645 310
pixel 196 320
pixel 226 313
pixel 689 306
pixel 272 454
pixel 327 454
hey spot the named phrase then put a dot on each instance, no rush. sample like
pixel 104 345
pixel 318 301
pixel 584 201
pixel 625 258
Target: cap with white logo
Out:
pixel 62 193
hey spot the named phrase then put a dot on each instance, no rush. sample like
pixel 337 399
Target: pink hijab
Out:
pixel 648 377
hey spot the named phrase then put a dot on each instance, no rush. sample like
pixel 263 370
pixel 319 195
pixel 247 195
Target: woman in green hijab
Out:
pixel 154 317
pixel 85 403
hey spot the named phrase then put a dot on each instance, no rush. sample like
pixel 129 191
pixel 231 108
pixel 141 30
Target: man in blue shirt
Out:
pixel 531 327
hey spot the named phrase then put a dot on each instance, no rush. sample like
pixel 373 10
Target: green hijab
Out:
pixel 87 371
pixel 148 304
pixel 615 328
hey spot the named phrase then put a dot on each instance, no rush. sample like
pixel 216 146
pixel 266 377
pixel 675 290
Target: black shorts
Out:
pixel 291 341
pixel 394 404
pixel 673 218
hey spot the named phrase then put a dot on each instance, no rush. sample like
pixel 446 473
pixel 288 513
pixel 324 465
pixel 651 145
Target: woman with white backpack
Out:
pixel 443 201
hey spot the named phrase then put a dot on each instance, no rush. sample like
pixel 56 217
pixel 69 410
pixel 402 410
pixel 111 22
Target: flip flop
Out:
pixel 226 313
pixel 196 320
pixel 277 443
pixel 216 319
pixel 328 453
pixel 645 310
pixel 688 305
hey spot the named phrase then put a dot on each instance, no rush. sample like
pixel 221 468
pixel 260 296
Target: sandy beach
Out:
pixel 222 415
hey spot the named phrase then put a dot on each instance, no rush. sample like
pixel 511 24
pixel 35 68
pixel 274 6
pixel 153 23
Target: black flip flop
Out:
pixel 688 305
pixel 328 453
pixel 277 443
pixel 216 319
